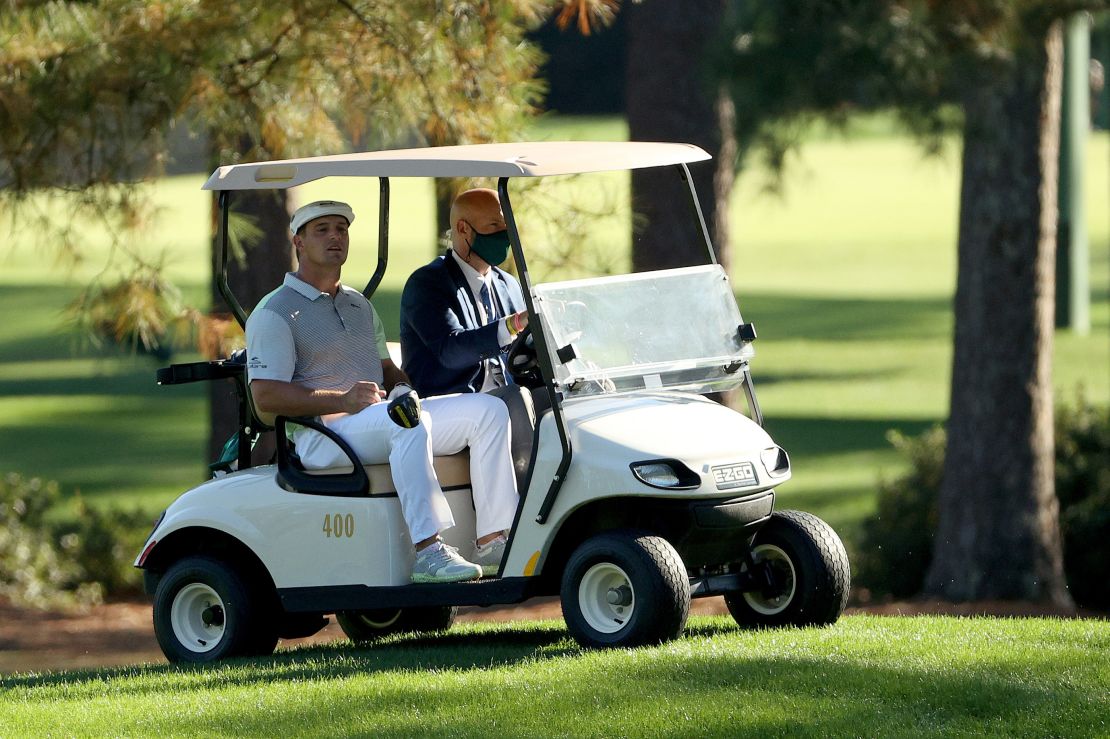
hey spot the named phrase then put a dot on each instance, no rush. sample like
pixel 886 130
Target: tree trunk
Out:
pixel 266 263
pixel 670 98
pixel 445 196
pixel 998 534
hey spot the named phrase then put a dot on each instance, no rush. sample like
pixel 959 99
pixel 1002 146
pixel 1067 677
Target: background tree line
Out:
pixel 89 88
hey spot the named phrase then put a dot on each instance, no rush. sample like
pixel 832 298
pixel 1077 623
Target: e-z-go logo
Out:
pixel 740 475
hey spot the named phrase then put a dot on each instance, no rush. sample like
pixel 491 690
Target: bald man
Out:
pixel 461 312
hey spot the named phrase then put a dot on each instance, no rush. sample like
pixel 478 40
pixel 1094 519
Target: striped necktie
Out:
pixel 497 364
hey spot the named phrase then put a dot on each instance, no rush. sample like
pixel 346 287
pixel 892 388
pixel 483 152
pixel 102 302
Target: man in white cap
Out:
pixel 316 347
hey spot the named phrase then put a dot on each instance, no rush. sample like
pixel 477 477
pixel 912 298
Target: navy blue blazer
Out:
pixel 442 341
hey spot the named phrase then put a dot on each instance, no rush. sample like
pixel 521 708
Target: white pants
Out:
pixel 448 424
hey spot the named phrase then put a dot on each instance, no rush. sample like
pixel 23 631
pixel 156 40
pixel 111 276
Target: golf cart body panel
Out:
pixel 309 540
pixel 727 454
pixel 318 540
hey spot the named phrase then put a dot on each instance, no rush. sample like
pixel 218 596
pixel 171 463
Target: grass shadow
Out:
pixel 769 683
pixel 815 436
pixel 772 377
pixel 847 319
pixel 481 646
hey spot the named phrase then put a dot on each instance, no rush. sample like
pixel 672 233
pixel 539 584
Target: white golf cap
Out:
pixel 319 209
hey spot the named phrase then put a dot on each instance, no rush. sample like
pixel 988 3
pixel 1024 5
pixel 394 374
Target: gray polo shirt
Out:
pixel 299 334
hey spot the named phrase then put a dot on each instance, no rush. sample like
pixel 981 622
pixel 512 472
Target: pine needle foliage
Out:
pixel 88 92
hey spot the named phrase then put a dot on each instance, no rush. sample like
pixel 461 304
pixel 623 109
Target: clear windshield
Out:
pixel 673 329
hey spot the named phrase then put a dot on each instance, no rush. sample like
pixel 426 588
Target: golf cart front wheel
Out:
pixel 204 612
pixel 799 571
pixel 363 627
pixel 624 589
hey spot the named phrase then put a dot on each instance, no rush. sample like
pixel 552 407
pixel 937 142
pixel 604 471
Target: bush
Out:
pixel 897 540
pixel 105 543
pixel 37 568
pixel 72 562
pixel 1083 487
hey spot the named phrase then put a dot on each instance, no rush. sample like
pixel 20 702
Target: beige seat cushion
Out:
pixel 453 472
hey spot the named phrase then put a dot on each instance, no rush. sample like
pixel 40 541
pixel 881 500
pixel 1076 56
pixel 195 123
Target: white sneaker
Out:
pixel 442 563
pixel 490 554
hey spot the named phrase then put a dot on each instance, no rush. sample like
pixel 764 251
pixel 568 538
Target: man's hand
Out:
pixel 517 322
pixel 361 395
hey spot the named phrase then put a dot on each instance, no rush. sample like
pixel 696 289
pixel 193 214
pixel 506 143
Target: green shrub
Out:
pixel 105 543
pixel 1083 487
pixel 37 567
pixel 897 540
pixel 75 561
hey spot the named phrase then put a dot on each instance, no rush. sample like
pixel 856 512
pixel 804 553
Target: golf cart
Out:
pixel 640 493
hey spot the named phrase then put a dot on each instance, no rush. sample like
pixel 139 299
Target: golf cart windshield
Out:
pixel 675 329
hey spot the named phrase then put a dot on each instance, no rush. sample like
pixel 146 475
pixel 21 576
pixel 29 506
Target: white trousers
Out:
pixel 448 424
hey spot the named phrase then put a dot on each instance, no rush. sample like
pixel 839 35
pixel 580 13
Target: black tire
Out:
pixel 363 627
pixel 204 612
pixel 300 625
pixel 262 642
pixel 646 576
pixel 267 620
pixel 810 574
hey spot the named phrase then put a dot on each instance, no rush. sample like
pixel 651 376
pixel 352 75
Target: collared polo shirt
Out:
pixel 300 334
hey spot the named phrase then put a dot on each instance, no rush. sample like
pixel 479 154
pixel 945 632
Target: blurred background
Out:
pixel 859 159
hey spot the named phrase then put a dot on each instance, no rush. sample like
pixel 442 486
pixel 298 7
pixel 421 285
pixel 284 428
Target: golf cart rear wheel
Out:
pixel 363 627
pixel 203 612
pixel 625 589
pixel 803 573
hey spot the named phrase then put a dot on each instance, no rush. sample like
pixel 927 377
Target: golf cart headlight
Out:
pixel 775 460
pixel 665 473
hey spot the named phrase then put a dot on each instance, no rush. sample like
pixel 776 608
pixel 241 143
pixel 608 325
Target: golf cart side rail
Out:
pixel 542 355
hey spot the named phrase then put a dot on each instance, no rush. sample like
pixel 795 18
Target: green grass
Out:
pixel 849 277
pixel 865 676
pixel 848 274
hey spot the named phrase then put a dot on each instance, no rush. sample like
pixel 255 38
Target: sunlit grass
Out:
pixel 867 675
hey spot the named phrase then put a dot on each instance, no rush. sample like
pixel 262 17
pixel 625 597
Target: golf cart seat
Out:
pixel 453 471
pixel 355 479
pixel 522 418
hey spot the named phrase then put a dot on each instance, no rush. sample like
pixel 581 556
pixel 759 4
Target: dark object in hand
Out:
pixel 405 410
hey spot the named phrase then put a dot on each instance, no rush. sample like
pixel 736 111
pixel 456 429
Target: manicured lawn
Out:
pixel 865 676
pixel 848 275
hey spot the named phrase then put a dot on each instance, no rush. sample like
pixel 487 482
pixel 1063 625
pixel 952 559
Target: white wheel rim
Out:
pixel 602 584
pixel 784 574
pixel 187 617
pixel 378 622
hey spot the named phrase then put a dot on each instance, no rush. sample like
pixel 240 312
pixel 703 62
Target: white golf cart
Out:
pixel 640 493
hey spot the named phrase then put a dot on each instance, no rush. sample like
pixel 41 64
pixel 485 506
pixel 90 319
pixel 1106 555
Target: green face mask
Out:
pixel 491 247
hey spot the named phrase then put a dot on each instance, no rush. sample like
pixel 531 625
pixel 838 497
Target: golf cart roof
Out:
pixel 525 159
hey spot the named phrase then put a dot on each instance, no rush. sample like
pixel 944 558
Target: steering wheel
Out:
pixel 524 367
